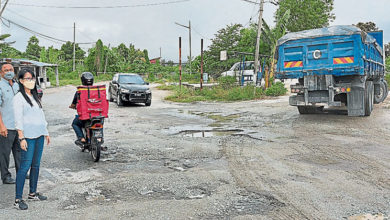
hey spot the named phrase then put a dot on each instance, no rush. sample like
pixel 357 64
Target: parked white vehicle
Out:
pixel 235 71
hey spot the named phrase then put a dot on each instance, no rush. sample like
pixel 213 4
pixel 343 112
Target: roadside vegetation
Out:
pixel 387 77
pixel 227 90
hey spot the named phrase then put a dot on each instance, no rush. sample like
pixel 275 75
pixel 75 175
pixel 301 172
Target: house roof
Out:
pixel 25 62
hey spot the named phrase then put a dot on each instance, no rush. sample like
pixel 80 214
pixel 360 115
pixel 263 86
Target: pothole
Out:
pixel 209 133
pixel 248 203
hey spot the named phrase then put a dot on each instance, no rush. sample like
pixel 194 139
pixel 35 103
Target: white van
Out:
pixel 247 72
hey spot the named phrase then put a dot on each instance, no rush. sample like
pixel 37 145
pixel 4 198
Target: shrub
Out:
pixel 227 81
pixel 276 89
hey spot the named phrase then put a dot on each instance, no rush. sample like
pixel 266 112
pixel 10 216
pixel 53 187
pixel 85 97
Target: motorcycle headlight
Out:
pixel 125 91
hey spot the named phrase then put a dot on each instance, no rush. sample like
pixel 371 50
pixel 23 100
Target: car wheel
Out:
pixel 110 97
pixel 148 103
pixel 119 101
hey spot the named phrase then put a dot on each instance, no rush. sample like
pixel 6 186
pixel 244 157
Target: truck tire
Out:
pixel 382 96
pixel 304 110
pixel 368 98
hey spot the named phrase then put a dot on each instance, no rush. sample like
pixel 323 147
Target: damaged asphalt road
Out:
pixel 243 160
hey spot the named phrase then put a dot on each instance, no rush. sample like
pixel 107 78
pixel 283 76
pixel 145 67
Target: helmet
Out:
pixel 87 79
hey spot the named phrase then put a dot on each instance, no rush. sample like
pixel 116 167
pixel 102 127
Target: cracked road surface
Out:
pixel 243 160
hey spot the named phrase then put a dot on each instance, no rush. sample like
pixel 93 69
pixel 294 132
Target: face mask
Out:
pixel 9 75
pixel 29 84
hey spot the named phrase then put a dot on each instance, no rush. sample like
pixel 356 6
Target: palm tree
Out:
pixel 272 36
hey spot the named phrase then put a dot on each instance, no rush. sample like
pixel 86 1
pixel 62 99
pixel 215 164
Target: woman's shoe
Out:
pixel 37 197
pixel 20 204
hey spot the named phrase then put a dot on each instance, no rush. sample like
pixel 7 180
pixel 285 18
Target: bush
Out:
pixel 227 81
pixel 218 93
pixel 276 89
pixel 387 77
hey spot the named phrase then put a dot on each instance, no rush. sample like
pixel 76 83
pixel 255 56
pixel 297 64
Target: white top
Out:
pixel 31 120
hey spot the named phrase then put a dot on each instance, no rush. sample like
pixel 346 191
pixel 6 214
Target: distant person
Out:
pixel 31 125
pixel 8 135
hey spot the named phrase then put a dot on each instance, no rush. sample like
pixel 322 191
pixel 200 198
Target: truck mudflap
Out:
pixel 361 99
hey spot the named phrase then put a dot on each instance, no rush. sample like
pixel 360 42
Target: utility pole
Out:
pixel 105 64
pixel 160 53
pixel 201 64
pixel 180 61
pixel 189 31
pixel 74 46
pixel 260 25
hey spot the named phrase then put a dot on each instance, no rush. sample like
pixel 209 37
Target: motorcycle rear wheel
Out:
pixel 95 150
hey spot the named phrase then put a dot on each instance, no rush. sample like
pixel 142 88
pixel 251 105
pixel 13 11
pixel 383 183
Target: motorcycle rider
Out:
pixel 77 124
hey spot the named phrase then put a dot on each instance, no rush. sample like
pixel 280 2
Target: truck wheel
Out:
pixel 368 98
pixel 304 110
pixel 381 97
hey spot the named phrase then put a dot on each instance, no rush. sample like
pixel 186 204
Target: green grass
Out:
pixel 276 89
pixel 214 94
pixel 227 91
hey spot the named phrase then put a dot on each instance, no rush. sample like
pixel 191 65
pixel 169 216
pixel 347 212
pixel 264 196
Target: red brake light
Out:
pixel 97 126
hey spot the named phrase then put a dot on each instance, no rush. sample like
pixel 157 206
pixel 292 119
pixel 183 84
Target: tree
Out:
pixel 67 51
pixel 367 26
pixel 33 49
pixel 306 14
pixel 6 50
pixel 227 38
pixel 387 50
pixel 43 55
pixel 99 56
pixel 123 52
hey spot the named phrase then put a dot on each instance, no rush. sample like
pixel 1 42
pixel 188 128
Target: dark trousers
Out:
pixel 77 126
pixel 8 144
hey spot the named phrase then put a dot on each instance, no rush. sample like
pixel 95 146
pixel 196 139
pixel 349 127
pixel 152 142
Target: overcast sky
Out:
pixel 152 27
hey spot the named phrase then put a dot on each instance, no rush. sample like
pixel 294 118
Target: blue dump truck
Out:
pixel 339 66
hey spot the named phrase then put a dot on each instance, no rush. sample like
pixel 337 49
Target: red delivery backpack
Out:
pixel 91 102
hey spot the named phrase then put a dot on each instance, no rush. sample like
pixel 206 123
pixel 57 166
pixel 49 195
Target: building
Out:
pixel 38 67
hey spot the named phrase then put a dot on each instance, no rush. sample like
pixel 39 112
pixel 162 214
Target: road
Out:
pixel 242 160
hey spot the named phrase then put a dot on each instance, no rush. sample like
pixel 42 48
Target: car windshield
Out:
pixel 131 79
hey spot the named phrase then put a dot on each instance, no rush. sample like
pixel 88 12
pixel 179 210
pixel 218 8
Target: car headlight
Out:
pixel 148 91
pixel 125 91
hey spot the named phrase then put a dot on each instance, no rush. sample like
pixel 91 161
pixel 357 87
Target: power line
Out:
pixel 40 34
pixel 274 2
pixel 85 35
pixel 47 25
pixel 51 26
pixel 101 7
pixel 200 33
pixel 252 15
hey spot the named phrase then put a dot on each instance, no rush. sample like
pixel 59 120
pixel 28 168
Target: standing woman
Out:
pixel 32 129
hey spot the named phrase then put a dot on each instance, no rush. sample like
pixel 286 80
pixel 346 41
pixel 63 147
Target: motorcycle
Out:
pixel 93 131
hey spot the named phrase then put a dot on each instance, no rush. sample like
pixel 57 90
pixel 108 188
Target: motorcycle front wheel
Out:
pixel 95 149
